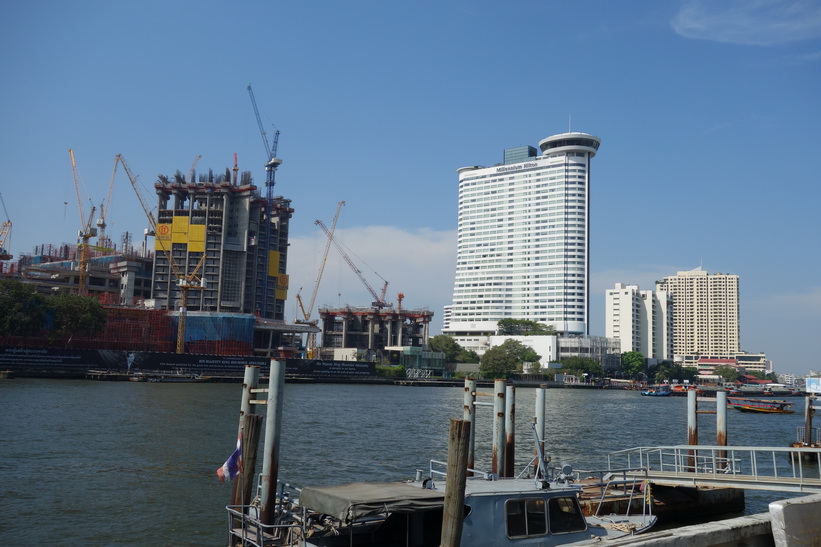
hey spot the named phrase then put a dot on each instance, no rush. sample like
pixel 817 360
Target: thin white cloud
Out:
pixel 750 22
pixel 419 264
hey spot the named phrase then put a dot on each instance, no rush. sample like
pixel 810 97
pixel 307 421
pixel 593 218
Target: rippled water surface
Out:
pixel 120 463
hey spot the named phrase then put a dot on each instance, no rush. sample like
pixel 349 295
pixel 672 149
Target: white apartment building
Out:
pixel 705 315
pixel 523 241
pixel 641 320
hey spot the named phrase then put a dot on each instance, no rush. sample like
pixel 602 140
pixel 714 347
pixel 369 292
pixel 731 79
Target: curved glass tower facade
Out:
pixel 523 240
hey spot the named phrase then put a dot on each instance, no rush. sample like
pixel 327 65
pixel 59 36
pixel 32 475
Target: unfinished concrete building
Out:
pixel 373 328
pixel 242 235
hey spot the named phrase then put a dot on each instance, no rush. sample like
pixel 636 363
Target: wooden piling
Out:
pixel 454 507
pixel 244 485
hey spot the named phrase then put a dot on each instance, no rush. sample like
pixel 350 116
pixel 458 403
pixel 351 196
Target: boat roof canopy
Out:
pixel 358 500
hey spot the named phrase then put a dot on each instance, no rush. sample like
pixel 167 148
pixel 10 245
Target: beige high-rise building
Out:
pixel 705 315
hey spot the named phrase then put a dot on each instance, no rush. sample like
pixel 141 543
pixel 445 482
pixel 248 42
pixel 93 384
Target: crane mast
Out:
pixel 270 180
pixel 184 282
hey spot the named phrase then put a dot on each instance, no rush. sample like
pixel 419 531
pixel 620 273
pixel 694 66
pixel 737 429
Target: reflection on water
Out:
pixel 133 463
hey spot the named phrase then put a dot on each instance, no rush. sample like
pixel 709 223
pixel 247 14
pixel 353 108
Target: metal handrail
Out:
pixel 753 467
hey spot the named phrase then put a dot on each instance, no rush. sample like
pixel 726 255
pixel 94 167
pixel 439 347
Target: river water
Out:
pixel 124 463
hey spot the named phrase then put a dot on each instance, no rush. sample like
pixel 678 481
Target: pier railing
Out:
pixel 750 467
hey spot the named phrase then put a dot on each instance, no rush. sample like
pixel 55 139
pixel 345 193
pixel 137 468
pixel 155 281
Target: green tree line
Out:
pixel 24 312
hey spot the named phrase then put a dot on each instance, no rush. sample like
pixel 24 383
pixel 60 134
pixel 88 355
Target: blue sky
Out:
pixel 708 113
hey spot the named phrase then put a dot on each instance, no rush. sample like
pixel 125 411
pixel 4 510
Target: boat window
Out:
pixel 526 517
pixel 565 515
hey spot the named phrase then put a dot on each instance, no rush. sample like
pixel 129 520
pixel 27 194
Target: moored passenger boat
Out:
pixel 763 406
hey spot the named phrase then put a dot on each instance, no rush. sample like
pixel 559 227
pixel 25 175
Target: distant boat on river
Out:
pixel 763 406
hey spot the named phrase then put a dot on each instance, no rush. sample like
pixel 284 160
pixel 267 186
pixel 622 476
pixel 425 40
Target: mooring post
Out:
pixel 721 425
pixel 497 456
pixel 251 381
pixel 273 427
pixel 246 477
pixel 244 486
pixel 692 427
pixel 454 507
pixel 541 393
pixel 510 431
pixel 470 416
pixel 808 412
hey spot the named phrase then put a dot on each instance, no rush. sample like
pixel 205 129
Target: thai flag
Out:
pixel 233 465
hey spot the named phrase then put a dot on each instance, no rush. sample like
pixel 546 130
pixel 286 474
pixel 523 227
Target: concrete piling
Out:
pixel 497 456
pixel 273 427
pixel 510 431
pixel 469 415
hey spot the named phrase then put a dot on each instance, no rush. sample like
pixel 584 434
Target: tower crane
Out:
pixel 311 343
pixel 379 300
pixel 5 230
pixel 185 282
pixel 105 206
pixel 192 171
pixel 270 179
pixel 87 231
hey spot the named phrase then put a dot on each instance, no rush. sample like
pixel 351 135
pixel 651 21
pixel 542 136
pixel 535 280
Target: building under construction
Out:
pixel 222 230
pixel 372 329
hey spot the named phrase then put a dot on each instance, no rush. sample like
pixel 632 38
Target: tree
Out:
pixel 22 310
pixel 579 366
pixel 523 327
pixel 726 372
pixel 632 363
pixel 447 345
pixel 507 357
pixel 76 315
pixel 454 353
pixel 497 361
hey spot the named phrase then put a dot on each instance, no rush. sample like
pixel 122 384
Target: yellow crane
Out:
pixel 306 314
pixel 5 230
pixel 87 231
pixel 185 282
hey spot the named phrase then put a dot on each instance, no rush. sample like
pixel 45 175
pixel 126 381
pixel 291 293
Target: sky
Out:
pixel 708 112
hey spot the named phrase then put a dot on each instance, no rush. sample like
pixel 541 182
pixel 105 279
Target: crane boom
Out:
pixel 324 259
pixel 379 302
pixel 184 282
pixel 105 206
pixel 86 230
pixel 5 230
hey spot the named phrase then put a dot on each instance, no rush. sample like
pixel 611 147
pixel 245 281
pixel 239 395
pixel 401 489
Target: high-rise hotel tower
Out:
pixel 523 240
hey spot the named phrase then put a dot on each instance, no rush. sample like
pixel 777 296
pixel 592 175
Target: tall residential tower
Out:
pixel 523 240
pixel 705 314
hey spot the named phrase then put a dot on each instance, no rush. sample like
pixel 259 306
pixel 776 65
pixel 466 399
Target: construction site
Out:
pixel 215 279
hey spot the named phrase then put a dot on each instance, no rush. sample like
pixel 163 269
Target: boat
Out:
pixel 658 391
pixel 178 378
pixel 763 406
pixel 542 510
